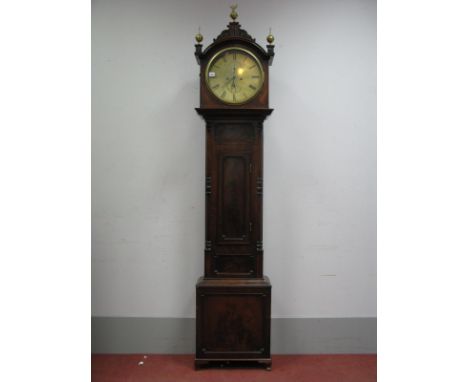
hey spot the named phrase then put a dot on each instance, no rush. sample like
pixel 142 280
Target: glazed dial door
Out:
pixel 234 76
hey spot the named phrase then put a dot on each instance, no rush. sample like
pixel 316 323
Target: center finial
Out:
pixel 234 13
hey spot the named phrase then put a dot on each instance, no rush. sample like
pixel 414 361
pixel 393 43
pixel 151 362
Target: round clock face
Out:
pixel 234 75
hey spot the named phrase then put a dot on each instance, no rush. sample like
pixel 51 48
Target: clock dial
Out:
pixel 234 75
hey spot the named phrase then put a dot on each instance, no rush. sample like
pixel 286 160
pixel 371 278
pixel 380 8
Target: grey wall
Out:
pixel 288 336
pixel 148 155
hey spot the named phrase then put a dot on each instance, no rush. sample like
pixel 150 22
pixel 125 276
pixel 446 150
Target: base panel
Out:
pixel 233 323
pixel 234 364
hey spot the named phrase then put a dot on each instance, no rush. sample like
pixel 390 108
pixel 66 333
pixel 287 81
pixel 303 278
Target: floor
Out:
pixel 294 368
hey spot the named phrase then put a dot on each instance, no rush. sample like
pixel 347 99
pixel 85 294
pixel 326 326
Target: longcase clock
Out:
pixel 233 298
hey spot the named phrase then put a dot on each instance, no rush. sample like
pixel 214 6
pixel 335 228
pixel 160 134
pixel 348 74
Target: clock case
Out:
pixel 233 298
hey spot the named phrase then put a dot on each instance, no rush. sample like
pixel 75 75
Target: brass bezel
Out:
pixel 248 52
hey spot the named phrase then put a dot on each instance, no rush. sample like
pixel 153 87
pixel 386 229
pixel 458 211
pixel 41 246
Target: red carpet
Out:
pixel 294 368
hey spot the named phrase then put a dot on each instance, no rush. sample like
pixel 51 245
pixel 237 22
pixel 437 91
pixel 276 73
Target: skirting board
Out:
pixel 340 335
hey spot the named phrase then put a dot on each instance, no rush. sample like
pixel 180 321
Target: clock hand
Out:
pixel 232 80
pixel 233 85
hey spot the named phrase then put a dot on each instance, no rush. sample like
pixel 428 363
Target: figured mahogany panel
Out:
pixel 233 318
pixel 234 265
pixel 233 323
pixel 234 133
pixel 234 197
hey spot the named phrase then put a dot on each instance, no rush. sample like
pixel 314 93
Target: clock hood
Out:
pixel 235 35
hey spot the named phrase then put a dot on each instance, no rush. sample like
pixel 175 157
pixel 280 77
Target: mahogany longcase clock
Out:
pixel 233 298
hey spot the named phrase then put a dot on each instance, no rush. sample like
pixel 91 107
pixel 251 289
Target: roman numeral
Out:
pixel 216 86
pixel 255 76
pixel 252 87
pixel 233 98
pixel 224 94
pixel 253 66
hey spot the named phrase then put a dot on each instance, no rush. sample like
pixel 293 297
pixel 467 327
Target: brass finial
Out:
pixel 199 36
pixel 234 13
pixel 270 38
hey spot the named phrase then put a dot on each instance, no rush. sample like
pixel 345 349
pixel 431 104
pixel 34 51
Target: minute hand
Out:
pixel 233 85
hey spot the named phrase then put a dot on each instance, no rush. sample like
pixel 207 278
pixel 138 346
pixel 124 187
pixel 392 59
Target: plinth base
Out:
pixel 233 322
pixel 234 364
